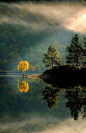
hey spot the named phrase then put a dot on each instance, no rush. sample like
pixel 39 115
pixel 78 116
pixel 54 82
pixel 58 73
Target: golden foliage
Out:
pixel 23 86
pixel 23 65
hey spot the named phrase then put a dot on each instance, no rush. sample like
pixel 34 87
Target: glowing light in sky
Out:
pixel 78 24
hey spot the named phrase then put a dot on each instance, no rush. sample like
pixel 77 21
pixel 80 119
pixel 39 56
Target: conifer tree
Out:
pixel 51 58
pixel 75 51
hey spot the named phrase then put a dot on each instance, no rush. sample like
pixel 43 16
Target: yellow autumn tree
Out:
pixel 23 66
pixel 23 86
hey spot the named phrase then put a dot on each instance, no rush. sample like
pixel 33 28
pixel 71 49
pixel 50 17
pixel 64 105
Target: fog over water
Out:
pixel 45 124
pixel 43 16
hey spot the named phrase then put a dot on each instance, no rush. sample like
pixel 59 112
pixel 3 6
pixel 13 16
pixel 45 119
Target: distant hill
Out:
pixel 17 43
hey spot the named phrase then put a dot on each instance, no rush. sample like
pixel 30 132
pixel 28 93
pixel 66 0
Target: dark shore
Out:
pixel 65 76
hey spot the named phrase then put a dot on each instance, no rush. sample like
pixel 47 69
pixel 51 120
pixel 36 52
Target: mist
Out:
pixel 46 124
pixel 45 16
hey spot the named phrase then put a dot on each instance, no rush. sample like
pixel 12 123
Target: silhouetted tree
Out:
pixel 75 51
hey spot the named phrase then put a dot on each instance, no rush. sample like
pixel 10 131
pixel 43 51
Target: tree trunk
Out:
pixel 23 74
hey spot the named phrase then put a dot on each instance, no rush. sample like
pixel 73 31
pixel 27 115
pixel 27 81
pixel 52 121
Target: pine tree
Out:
pixel 75 51
pixel 51 58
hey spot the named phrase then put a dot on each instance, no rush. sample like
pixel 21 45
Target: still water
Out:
pixel 33 106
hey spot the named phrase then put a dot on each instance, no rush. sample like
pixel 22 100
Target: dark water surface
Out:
pixel 33 106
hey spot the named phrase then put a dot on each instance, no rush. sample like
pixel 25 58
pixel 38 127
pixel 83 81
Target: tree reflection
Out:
pixel 51 94
pixel 23 86
pixel 84 112
pixel 84 103
pixel 75 99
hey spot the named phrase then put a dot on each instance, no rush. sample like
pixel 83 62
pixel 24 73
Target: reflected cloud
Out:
pixel 45 16
pixel 23 86
pixel 39 124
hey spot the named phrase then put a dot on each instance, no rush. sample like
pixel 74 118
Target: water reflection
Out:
pixel 28 112
pixel 75 98
pixel 41 98
pixel 13 103
pixel 75 101
pixel 51 94
pixel 23 86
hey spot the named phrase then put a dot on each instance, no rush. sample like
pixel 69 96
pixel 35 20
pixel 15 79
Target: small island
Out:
pixel 66 74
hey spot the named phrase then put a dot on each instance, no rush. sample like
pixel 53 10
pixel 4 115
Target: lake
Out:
pixel 33 106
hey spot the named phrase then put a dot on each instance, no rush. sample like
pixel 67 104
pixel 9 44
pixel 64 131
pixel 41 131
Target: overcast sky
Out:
pixel 40 17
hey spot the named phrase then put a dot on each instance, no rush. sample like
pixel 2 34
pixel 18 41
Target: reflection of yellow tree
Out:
pixel 23 86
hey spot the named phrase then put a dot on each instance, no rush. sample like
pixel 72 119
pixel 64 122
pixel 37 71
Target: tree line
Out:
pixel 17 45
pixel 76 54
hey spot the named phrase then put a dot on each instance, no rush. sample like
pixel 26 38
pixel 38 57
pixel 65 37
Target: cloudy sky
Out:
pixel 45 16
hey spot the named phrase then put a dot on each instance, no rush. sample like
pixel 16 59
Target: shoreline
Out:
pixel 31 75
pixel 35 76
